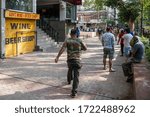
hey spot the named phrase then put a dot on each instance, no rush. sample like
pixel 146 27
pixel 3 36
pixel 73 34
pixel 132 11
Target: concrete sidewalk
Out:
pixel 35 76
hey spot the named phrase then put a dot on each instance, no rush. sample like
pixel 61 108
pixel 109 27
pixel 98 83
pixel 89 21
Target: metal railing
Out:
pixel 46 27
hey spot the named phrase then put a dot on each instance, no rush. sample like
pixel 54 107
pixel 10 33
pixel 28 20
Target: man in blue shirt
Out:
pixel 108 43
pixel 136 57
pixel 77 32
pixel 137 50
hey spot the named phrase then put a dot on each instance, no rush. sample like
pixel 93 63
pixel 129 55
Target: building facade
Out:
pixel 94 19
pixel 57 17
pixel 19 20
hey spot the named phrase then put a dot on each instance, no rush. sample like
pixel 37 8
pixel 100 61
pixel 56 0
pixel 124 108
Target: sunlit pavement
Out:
pixel 35 76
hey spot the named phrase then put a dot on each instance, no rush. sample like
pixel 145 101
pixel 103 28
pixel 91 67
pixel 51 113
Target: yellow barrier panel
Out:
pixel 20 36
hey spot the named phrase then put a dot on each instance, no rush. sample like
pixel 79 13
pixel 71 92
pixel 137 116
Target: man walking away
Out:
pixel 74 47
pixel 108 43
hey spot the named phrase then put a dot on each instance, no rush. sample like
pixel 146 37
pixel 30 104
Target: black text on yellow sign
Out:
pixel 20 26
pixel 14 40
pixel 20 36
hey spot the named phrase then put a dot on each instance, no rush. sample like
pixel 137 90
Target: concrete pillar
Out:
pixel 34 6
pixel 62 11
pixel 2 29
pixel 74 13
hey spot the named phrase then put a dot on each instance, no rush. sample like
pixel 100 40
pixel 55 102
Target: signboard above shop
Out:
pixel 22 15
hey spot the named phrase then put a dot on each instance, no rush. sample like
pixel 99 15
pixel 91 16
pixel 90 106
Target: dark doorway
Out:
pixel 49 12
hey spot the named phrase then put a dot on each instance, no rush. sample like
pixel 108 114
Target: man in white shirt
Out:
pixel 127 38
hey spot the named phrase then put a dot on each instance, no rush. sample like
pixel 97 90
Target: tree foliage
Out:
pixel 93 4
pixel 113 3
pixel 128 10
pixel 88 4
pixel 146 10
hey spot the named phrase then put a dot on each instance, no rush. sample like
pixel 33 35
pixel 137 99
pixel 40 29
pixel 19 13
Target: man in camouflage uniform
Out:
pixel 74 47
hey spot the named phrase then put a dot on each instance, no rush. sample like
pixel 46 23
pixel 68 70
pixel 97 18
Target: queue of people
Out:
pixel 131 47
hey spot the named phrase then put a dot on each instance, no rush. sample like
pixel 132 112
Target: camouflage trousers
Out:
pixel 74 67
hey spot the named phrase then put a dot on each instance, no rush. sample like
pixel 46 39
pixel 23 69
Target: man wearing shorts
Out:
pixel 108 43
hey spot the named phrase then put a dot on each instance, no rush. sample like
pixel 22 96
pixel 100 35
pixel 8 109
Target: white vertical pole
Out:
pixel 34 6
pixel 62 11
pixel 2 29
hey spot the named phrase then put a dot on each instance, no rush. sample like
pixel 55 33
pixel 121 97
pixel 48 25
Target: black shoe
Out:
pixel 73 95
pixel 69 81
pixel 129 79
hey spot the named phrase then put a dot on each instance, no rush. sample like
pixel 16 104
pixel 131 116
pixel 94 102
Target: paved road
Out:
pixel 35 76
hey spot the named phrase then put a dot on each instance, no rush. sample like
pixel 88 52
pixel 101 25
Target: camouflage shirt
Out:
pixel 74 48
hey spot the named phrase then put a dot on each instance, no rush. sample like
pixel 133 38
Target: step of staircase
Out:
pixel 44 41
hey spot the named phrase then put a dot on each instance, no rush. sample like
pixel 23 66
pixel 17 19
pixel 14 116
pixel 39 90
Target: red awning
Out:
pixel 75 2
pixel 78 2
